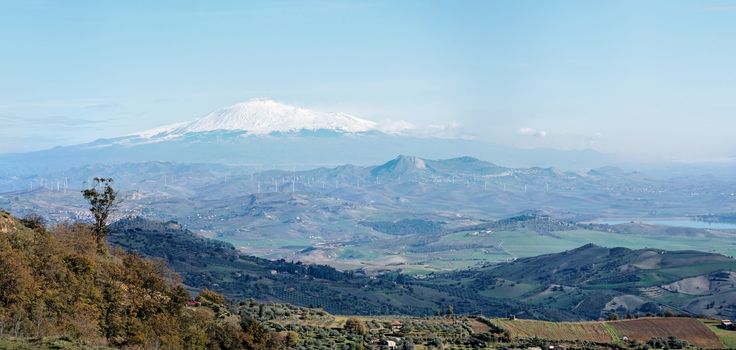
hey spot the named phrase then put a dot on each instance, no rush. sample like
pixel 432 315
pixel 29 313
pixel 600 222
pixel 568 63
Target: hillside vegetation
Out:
pixel 57 284
pixel 206 263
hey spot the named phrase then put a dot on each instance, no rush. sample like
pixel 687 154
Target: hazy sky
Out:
pixel 652 79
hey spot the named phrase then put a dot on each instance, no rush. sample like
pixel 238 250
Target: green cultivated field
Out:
pixel 728 337
pixel 464 249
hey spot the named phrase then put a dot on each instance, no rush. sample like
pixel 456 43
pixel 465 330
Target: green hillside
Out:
pixel 206 263
pixel 588 282
pixel 593 282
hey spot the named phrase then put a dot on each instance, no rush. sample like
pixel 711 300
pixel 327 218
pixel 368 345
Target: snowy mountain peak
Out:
pixel 264 116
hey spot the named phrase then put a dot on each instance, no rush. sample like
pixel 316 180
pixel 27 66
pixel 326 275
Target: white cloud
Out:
pixel 452 130
pixel 395 126
pixel 526 131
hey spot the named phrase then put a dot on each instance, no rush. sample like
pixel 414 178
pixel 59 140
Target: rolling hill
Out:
pixel 144 306
pixel 593 281
pixel 584 283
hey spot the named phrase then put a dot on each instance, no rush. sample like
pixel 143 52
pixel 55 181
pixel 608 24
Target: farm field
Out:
pixel 477 332
pixel 690 329
pixel 728 337
pixel 464 249
pixel 591 331
pixel 694 331
pixel 524 242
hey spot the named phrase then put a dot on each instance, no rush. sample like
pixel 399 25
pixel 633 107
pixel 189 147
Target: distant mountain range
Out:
pixel 328 204
pixel 266 133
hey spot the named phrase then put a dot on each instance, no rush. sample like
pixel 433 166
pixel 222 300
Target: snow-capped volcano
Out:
pixel 262 131
pixel 265 116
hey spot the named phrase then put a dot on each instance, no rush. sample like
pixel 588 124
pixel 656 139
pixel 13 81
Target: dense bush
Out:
pixel 355 326
pixel 668 343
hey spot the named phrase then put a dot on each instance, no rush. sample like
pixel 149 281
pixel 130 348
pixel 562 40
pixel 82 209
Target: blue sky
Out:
pixel 644 79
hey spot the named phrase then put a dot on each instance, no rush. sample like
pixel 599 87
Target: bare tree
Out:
pixel 102 199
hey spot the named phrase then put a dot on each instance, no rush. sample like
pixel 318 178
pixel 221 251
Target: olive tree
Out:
pixel 102 199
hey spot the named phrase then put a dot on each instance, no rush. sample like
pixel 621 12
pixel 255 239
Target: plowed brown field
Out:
pixel 564 331
pixel 690 329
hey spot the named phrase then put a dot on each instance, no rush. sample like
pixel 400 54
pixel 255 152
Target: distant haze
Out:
pixel 645 81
